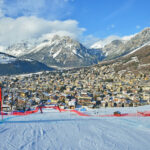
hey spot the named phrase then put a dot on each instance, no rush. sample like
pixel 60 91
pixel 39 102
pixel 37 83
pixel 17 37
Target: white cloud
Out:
pixel 103 42
pixel 138 27
pixel 109 39
pixel 49 9
pixel 112 26
pixel 1 11
pixel 22 20
pixel 2 48
pixel 89 40
pixel 126 38
pixel 28 28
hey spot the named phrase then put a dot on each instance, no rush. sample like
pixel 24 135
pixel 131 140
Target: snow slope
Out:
pixel 67 131
pixel 146 44
pixel 101 44
pixel 6 59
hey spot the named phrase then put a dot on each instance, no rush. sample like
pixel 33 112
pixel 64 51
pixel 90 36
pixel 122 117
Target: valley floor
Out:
pixel 53 130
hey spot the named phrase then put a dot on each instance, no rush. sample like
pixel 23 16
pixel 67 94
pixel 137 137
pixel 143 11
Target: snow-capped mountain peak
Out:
pixel 62 51
pixel 102 43
pixel 59 42
pixel 19 49
pixel 122 46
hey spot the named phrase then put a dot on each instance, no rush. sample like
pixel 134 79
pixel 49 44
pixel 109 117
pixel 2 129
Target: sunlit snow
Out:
pixel 53 130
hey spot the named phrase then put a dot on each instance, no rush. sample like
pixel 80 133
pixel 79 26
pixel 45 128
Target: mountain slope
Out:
pixel 12 65
pixel 101 44
pixel 65 131
pixel 114 50
pixel 137 61
pixel 19 49
pixel 64 52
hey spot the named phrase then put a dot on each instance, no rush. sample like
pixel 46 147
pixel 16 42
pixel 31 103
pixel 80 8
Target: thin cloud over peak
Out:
pixel 29 28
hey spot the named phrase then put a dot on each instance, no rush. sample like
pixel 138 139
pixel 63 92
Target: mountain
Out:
pixel 19 49
pixel 115 47
pixel 136 61
pixel 119 48
pixel 64 52
pixel 101 44
pixel 12 65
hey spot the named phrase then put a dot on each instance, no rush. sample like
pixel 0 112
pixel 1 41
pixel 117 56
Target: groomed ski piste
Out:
pixel 93 129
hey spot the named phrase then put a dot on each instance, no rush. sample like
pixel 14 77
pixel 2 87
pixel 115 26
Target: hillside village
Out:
pixel 94 87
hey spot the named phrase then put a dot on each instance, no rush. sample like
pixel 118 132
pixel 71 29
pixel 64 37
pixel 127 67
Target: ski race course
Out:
pixel 95 129
pixel 137 114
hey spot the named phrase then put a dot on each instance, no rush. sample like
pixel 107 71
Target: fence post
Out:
pixel 1 102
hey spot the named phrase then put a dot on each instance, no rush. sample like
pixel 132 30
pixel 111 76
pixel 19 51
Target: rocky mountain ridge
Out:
pixel 12 65
pixel 137 61
pixel 64 52
pixel 119 48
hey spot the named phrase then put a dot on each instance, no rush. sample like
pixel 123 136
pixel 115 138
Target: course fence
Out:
pixel 138 114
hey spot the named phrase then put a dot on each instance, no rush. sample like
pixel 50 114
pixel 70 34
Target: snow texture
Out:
pixel 4 59
pixel 56 54
pixel 53 130
pixel 101 44
pixel 148 43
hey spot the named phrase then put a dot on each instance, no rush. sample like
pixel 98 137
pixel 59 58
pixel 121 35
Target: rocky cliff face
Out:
pixel 64 52
pixel 113 49
pixel 136 61
pixel 119 48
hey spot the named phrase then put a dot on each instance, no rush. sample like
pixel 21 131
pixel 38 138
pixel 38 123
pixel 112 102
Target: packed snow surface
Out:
pixel 53 130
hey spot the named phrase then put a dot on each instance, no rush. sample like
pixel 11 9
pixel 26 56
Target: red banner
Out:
pixel 0 94
pixel 1 103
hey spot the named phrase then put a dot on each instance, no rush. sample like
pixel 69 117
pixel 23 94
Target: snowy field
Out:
pixel 53 130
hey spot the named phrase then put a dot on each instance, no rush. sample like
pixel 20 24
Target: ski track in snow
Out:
pixel 67 131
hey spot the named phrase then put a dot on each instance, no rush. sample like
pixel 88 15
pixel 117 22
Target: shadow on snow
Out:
pixel 45 121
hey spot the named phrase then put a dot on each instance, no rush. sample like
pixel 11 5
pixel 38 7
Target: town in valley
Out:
pixel 93 87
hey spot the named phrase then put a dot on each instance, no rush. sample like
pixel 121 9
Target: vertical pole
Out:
pixel 1 103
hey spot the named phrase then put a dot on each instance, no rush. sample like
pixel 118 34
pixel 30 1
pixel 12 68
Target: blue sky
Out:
pixel 89 19
pixel 105 17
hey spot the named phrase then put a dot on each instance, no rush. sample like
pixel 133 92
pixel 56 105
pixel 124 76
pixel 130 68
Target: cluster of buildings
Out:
pixel 93 87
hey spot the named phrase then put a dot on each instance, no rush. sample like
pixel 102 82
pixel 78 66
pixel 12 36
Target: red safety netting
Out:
pixel 1 103
pixel 138 114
